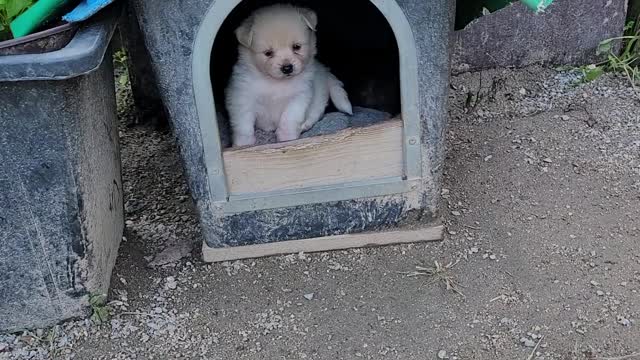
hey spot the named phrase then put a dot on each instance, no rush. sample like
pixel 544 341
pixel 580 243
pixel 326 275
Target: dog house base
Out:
pixel 337 184
pixel 325 243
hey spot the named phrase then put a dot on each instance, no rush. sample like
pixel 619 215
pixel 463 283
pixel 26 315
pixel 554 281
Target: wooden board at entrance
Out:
pixel 350 155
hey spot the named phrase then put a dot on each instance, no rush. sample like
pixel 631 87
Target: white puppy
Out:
pixel 276 83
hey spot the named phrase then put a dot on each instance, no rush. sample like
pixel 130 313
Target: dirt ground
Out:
pixel 542 209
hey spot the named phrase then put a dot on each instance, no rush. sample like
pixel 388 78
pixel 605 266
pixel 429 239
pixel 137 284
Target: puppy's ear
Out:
pixel 244 33
pixel 310 18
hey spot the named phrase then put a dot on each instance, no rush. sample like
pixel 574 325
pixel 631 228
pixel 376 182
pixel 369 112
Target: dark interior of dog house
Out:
pixel 356 43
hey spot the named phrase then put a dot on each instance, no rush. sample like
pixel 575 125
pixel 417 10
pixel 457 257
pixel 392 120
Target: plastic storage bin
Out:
pixel 61 209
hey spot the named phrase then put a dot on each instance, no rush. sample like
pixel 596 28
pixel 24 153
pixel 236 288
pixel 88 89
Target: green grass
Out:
pixel 100 312
pixel 120 61
pixel 626 61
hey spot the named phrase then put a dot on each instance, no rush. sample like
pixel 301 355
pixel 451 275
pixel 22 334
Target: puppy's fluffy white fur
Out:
pixel 277 84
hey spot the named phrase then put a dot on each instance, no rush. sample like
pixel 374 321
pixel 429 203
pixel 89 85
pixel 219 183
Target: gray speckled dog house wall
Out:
pixel 180 36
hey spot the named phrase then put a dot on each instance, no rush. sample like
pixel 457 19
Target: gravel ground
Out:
pixel 541 255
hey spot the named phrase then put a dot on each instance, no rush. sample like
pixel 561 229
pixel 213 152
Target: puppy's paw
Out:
pixel 286 134
pixel 244 140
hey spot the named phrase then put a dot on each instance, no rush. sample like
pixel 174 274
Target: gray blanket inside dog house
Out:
pixel 331 123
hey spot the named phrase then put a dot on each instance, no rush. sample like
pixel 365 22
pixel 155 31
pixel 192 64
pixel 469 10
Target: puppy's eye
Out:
pixel 296 47
pixel 268 53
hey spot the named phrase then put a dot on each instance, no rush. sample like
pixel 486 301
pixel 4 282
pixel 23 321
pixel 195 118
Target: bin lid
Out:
pixel 82 55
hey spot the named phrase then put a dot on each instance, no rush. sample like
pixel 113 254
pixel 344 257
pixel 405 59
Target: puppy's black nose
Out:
pixel 286 69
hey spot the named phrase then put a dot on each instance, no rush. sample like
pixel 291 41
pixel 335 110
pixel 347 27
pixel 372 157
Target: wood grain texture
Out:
pixel 349 155
pixel 320 244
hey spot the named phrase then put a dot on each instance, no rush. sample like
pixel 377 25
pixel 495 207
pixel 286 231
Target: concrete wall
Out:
pixel 567 33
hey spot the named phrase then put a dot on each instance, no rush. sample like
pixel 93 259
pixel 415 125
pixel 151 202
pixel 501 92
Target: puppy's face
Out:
pixel 281 39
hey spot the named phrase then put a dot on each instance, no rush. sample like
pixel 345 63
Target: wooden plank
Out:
pixel 337 242
pixel 349 155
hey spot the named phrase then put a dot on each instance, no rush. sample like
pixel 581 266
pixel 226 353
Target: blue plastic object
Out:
pixel 85 10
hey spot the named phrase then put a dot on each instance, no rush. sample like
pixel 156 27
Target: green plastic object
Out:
pixel 537 5
pixel 30 20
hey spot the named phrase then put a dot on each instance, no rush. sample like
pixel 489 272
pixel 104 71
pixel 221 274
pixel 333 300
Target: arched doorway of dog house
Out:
pixel 356 43
pixel 367 44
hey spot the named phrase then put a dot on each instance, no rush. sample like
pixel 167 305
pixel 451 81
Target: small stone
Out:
pixel 492 257
pixel 309 296
pixel 547 160
pixel 522 91
pixel 455 213
pixel 600 293
pixel 171 283
pixel 527 342
pixel 594 283
pixel 172 253
pixel 564 117
pixel 488 157
pixel 624 321
pixel 444 192
pixel 474 250
pixel 144 338
pixel 442 354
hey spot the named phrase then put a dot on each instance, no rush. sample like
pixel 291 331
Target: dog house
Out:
pixel 354 186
